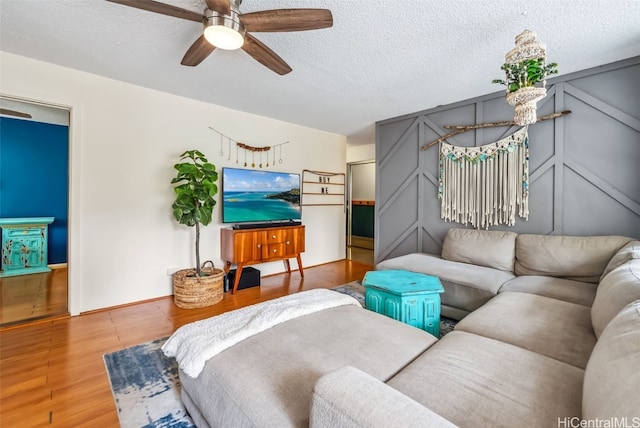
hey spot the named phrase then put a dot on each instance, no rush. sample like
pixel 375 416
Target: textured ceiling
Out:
pixel 381 59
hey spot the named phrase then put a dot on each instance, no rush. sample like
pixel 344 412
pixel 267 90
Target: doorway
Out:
pixel 361 181
pixel 34 183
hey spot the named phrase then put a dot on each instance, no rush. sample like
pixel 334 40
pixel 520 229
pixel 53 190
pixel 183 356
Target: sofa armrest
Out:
pixel 349 397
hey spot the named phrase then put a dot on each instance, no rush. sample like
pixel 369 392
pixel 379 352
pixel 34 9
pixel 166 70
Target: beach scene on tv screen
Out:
pixel 252 195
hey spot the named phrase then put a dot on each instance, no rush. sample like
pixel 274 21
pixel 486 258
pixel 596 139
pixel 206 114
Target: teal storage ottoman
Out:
pixel 409 297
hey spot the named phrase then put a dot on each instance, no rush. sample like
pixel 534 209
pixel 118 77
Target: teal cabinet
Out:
pixel 409 297
pixel 24 245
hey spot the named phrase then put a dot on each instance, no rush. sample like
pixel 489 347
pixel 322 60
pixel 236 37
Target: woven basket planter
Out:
pixel 191 291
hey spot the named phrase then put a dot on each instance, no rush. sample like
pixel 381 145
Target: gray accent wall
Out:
pixel 584 167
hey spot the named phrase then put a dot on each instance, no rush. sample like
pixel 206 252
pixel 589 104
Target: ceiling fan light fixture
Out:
pixel 224 32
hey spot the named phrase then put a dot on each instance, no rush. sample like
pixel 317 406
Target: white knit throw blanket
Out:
pixel 486 185
pixel 194 344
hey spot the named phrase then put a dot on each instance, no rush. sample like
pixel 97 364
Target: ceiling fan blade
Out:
pixel 162 8
pixel 287 20
pixel 8 112
pixel 199 50
pixel 220 6
pixel 265 56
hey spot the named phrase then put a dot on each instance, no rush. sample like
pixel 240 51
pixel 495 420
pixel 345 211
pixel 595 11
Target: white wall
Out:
pixel 124 142
pixel 361 153
pixel 363 181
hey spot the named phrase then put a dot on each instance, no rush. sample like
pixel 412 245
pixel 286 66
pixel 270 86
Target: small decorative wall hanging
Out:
pixel 486 185
pixel 526 70
pixel 249 149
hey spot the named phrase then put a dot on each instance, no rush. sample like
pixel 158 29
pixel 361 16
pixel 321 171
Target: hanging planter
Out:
pixel 526 72
pixel 525 101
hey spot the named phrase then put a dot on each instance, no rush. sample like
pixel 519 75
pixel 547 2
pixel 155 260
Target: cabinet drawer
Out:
pixel 32 232
pixel 273 251
pixel 273 237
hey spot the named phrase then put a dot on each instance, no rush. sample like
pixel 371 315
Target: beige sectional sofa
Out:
pixel 476 264
pixel 551 337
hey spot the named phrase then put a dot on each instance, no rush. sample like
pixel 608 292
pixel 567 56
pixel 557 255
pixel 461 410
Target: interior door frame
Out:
pixel 70 168
pixel 349 193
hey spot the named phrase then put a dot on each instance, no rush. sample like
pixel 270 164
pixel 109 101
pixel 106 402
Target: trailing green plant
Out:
pixel 526 73
pixel 195 187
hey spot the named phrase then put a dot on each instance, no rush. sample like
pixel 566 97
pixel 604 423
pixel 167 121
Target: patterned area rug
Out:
pixel 146 386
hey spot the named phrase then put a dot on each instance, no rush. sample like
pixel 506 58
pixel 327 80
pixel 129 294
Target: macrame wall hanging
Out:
pixel 486 185
pixel 246 154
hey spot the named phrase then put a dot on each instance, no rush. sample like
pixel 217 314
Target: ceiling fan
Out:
pixel 226 28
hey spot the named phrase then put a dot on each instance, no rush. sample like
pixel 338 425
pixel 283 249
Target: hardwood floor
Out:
pixel 25 298
pixel 52 373
pixel 361 255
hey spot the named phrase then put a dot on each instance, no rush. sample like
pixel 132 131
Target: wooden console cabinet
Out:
pixel 245 247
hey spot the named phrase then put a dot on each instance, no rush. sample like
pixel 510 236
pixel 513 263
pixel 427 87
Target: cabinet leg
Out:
pixel 227 267
pixel 287 265
pixel 299 259
pixel 236 281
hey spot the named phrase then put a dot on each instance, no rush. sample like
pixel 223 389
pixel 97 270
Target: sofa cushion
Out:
pixel 629 252
pixel 466 286
pixel 612 379
pixel 459 300
pixel 578 292
pixel 616 290
pixel 480 277
pixel 582 258
pixel 551 327
pixel 487 248
pixel 267 379
pixel 475 381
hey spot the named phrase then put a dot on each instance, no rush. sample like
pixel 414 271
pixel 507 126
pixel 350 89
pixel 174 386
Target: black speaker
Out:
pixel 250 278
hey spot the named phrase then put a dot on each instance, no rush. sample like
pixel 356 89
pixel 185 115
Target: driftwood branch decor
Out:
pixel 459 129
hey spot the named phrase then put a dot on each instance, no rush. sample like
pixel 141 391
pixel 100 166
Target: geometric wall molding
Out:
pixel 584 174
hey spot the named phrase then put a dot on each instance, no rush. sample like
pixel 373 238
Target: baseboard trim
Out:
pixel 57 266
pixel 124 305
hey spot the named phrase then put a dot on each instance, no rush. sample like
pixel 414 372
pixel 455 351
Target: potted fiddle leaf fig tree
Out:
pixel 195 188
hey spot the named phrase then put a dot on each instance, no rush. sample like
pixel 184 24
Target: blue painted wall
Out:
pixel 34 165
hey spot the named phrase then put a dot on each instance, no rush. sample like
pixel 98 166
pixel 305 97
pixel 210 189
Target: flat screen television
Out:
pixel 259 196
